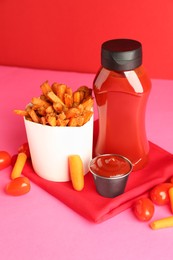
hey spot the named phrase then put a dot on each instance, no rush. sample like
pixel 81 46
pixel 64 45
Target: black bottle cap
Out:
pixel 121 54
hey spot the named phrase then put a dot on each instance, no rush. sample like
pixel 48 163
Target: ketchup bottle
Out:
pixel 121 89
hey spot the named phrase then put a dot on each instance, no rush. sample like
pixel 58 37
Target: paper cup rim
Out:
pixel 55 127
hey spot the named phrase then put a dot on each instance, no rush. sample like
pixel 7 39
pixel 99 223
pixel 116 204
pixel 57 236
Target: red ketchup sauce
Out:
pixel 110 166
pixel 122 116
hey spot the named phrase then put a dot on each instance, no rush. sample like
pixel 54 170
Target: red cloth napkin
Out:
pixel 94 207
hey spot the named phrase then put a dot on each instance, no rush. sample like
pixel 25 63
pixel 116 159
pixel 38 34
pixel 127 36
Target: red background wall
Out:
pixel 67 35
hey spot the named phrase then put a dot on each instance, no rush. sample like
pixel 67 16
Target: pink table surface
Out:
pixel 38 226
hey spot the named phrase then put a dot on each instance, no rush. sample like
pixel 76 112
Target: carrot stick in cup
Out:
pixel 162 223
pixel 170 191
pixel 76 172
pixel 18 166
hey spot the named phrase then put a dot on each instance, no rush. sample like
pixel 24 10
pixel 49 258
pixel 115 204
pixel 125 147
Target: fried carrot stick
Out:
pixel 76 172
pixel 170 191
pixel 19 164
pixel 162 223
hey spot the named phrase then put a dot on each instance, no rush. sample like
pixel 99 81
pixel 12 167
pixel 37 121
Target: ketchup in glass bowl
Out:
pixel 110 173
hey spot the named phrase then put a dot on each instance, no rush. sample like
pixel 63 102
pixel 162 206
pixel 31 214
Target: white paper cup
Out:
pixel 50 147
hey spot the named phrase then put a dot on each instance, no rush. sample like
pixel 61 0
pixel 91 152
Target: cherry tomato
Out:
pixel 171 179
pixel 5 160
pixel 159 194
pixel 18 186
pixel 143 209
pixel 24 148
pixel 13 159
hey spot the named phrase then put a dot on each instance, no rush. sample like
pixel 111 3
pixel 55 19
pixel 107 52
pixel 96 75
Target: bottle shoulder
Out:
pixel 133 81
